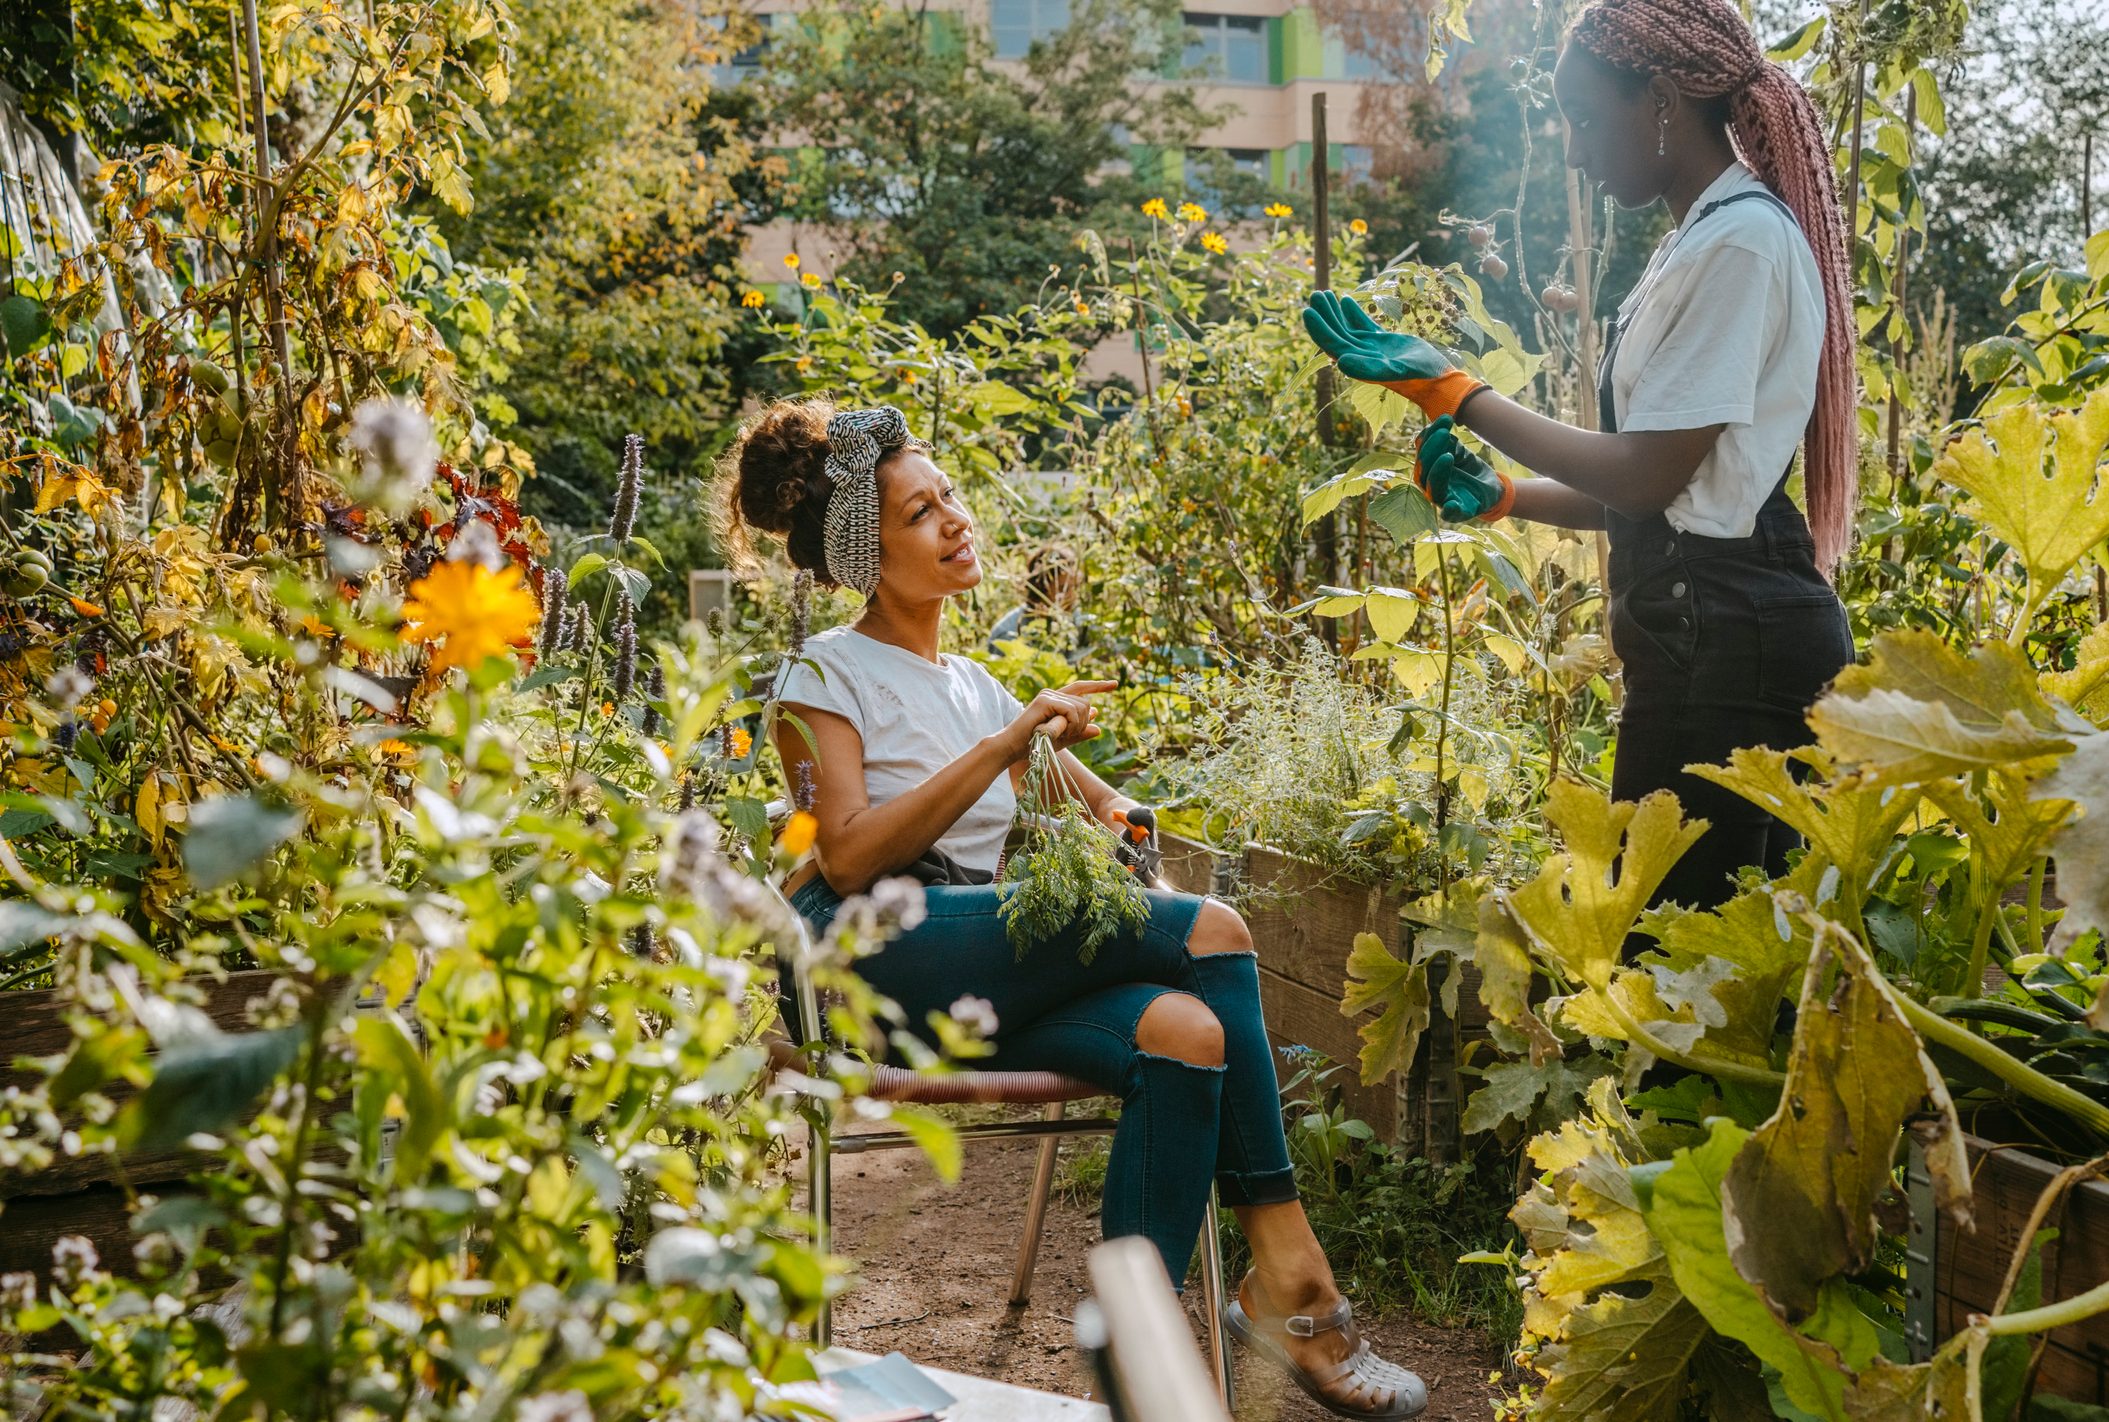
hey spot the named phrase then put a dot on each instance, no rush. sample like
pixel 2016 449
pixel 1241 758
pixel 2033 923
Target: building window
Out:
pixel 1343 61
pixel 1015 24
pixel 1229 47
pixel 1358 163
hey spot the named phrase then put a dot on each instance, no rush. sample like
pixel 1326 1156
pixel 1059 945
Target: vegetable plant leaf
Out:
pixel 2086 687
pixel 1579 910
pixel 1399 991
pixel 1800 1197
pixel 1682 1206
pixel 1844 820
pixel 1615 1336
pixel 1503 957
pixel 2007 830
pixel 2082 848
pixel 1922 711
pixel 206 1084
pixel 2031 474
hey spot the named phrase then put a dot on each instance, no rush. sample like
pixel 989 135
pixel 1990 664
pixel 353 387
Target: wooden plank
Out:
pixel 1304 918
pixel 1971 1265
pixel 1189 867
pixel 32 1024
pixel 1299 1016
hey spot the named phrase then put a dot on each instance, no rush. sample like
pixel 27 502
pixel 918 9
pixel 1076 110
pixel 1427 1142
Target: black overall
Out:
pixel 1726 643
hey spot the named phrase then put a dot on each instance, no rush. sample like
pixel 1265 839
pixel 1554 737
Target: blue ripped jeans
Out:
pixel 1181 1126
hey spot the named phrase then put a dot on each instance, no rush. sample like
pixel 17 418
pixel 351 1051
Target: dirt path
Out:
pixel 937 1269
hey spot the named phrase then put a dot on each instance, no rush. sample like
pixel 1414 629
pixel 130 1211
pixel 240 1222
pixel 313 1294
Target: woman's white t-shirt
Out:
pixel 916 717
pixel 1725 328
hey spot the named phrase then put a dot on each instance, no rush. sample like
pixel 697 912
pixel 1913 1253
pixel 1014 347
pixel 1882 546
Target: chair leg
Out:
pixel 820 1199
pixel 1214 1295
pixel 1036 1211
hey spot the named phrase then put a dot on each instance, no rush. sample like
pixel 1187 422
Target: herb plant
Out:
pixel 1067 869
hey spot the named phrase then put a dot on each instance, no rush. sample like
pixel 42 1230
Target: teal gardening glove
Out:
pixel 1457 481
pixel 1366 351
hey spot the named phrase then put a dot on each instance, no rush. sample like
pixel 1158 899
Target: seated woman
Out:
pixel 912 750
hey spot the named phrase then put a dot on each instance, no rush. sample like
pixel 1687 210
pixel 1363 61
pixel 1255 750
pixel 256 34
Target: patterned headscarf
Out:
pixel 857 441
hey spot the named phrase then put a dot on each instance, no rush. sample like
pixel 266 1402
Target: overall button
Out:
pixel 1685 623
pixel 1676 589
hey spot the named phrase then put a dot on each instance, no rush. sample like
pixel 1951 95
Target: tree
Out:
pixel 619 180
pixel 920 155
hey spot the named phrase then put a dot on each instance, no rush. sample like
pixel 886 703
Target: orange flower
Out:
pixel 84 607
pixel 741 742
pixel 1359 227
pixel 798 834
pixel 471 611
pixel 607 708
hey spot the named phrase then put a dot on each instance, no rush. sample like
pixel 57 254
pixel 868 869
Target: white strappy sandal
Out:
pixel 1362 1370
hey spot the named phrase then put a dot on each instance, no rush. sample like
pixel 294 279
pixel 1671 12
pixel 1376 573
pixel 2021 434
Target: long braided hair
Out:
pixel 1705 47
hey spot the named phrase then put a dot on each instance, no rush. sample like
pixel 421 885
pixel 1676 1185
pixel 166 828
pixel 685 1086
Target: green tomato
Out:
pixel 22 579
pixel 221 452
pixel 31 557
pixel 207 376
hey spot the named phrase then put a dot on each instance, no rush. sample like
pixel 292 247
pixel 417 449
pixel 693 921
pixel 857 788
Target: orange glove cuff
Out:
pixel 1441 395
pixel 1507 502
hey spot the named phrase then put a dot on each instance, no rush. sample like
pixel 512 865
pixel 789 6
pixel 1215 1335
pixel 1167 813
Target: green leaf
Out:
pixel 230 834
pixel 1398 990
pixel 1405 513
pixel 384 1047
pixel 548 674
pixel 1682 1206
pixel 26 927
pixel 939 1142
pixel 206 1084
pixel 24 323
pixel 585 568
pixel 1800 1199
pixel 996 400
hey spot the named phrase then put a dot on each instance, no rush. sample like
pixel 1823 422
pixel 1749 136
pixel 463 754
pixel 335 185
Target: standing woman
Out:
pixel 1735 347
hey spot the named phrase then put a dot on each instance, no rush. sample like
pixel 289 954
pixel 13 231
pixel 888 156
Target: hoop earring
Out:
pixel 1662 136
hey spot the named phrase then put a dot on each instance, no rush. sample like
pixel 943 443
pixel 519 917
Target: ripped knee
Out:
pixel 1218 928
pixel 1180 1026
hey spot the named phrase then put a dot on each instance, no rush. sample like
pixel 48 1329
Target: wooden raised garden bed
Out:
pixel 1304 920
pixel 1962 1272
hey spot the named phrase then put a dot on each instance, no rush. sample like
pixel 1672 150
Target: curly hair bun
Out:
pixel 775 480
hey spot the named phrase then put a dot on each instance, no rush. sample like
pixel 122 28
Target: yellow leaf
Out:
pixel 2084 687
pixel 1399 992
pixel 2051 523
pixel 76 484
pixel 1846 820
pixel 1576 912
pixel 497 84
pixel 146 810
pixel 1392 612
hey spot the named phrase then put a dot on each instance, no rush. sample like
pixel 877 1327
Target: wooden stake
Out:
pixel 1327 535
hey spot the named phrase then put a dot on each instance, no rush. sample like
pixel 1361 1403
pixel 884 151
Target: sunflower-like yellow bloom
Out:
pixel 1359 227
pixel 1214 242
pixel 1192 212
pixel 1155 208
pixel 791 260
pixel 754 301
pixel 799 834
pixel 1280 209
pixel 470 611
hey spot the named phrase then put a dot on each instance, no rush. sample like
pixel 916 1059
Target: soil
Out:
pixel 936 1274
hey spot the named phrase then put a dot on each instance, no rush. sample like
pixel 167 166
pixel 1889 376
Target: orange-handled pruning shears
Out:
pixel 1138 833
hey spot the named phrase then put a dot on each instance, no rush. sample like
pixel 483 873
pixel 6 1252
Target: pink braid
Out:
pixel 1709 52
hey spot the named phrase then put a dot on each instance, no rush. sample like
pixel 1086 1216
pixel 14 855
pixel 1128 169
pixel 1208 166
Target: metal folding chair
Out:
pixel 1139 1341
pixel 1048 1090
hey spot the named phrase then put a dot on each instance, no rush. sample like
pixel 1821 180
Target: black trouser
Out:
pixel 1726 643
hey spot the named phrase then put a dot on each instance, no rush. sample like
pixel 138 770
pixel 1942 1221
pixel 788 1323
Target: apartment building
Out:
pixel 1264 59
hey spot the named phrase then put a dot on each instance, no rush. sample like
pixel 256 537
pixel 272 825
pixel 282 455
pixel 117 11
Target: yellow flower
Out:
pixel 1280 209
pixel 1359 227
pixel 1155 208
pixel 791 260
pixel 1214 242
pixel 798 835
pixel 473 612
pixel 810 278
pixel 742 742
pixel 754 301
pixel 1083 309
pixel 803 363
pixel 1192 212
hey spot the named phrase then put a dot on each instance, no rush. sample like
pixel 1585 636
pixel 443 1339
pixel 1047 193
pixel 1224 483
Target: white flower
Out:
pixel 69 686
pixel 555 1407
pixel 976 1014
pixel 72 1257
pixel 17 1292
pixel 393 440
